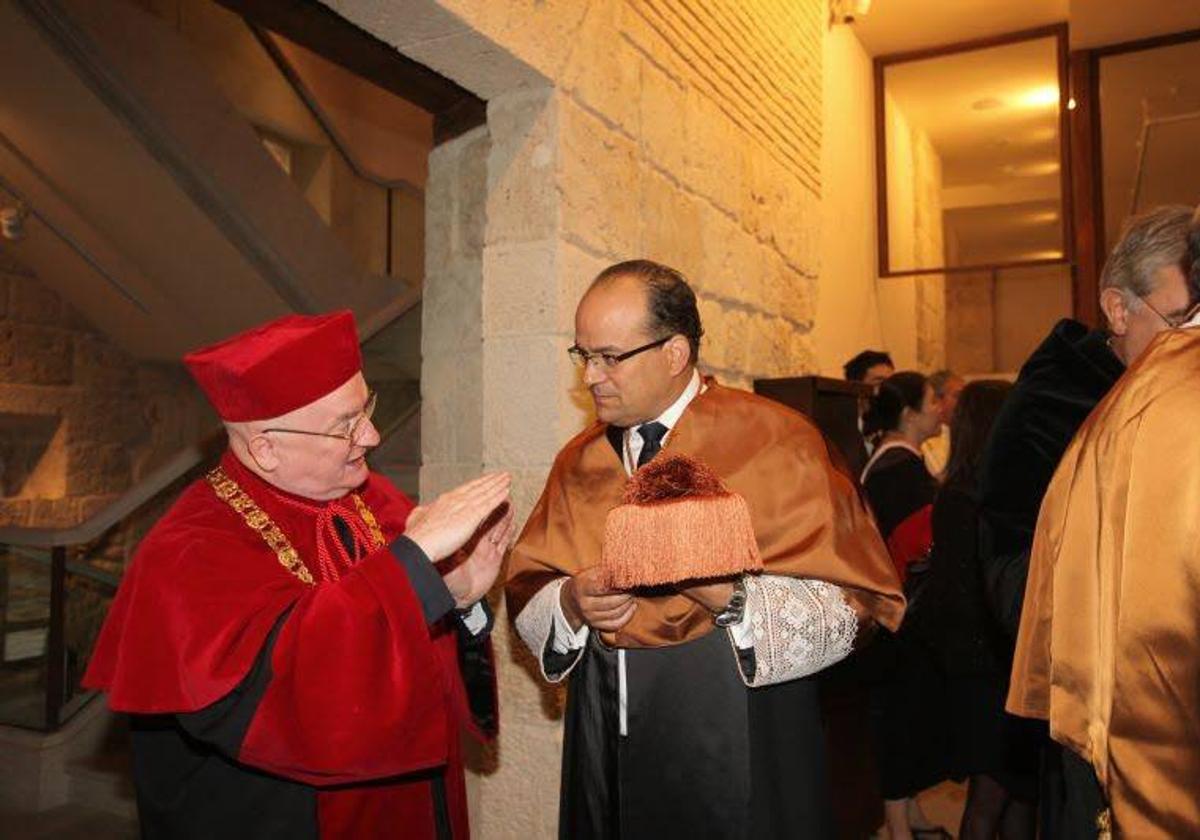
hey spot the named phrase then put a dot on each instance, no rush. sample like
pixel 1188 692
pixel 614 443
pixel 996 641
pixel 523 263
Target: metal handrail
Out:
pixel 171 471
pixel 83 570
pixel 142 492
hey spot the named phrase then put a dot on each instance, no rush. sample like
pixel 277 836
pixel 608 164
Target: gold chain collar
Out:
pixel 369 518
pixel 228 491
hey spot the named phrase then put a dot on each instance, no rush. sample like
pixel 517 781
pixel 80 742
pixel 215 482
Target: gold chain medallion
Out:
pixel 369 518
pixel 228 491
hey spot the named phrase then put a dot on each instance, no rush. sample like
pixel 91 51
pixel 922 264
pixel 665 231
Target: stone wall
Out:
pixel 971 323
pixel 915 329
pixel 994 320
pixel 80 420
pixel 684 132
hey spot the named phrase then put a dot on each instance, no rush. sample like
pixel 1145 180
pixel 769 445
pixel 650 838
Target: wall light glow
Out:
pixel 1042 218
pixel 1049 254
pixel 1043 96
pixel 1031 170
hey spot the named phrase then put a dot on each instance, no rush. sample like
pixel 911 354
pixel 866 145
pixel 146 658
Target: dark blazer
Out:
pixel 1059 385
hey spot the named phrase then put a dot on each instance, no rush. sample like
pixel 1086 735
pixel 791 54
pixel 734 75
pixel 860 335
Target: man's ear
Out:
pixel 1116 311
pixel 679 354
pixel 261 449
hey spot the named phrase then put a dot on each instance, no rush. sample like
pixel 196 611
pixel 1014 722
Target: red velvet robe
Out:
pixel 361 689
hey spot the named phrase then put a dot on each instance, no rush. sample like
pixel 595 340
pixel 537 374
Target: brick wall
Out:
pixel 681 131
pixel 80 421
pixel 685 132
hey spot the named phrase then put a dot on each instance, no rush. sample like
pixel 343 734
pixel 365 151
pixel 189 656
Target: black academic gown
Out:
pixel 704 757
pixel 1058 386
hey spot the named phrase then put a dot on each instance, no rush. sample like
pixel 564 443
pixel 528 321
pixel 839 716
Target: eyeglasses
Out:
pixel 608 361
pixel 1175 320
pixel 355 425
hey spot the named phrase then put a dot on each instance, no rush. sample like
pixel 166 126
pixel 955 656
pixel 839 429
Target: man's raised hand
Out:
pixel 451 520
pixel 479 562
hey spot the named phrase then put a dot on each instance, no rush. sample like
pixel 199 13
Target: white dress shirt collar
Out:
pixel 633 439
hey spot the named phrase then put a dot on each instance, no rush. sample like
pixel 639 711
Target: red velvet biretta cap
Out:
pixel 279 366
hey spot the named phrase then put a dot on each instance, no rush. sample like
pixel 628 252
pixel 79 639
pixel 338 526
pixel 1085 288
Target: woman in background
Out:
pixel 984 742
pixel 909 736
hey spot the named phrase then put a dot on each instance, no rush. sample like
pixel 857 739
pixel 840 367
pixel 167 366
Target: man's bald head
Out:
pixel 637 330
pixel 670 302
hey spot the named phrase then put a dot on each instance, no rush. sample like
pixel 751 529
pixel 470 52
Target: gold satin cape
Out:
pixel 808 517
pixel 1109 645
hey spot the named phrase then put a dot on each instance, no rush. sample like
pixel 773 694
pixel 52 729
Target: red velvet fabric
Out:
pixel 362 689
pixel 911 539
pixel 279 366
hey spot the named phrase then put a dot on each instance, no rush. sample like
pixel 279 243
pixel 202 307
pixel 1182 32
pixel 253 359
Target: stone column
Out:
pixel 495 331
pixel 451 335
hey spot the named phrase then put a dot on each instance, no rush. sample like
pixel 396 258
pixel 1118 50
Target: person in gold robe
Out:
pixel 687 711
pixel 1107 648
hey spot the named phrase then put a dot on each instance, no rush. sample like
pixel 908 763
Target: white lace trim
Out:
pixel 535 623
pixel 800 627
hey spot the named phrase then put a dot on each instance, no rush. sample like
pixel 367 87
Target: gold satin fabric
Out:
pixel 808 518
pixel 1109 645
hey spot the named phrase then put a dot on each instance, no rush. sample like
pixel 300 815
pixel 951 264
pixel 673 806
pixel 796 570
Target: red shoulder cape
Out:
pixel 361 686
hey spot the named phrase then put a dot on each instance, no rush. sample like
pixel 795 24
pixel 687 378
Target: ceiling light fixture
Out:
pixel 12 221
pixel 847 11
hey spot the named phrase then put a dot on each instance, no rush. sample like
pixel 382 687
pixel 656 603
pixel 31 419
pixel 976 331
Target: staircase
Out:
pixel 172 213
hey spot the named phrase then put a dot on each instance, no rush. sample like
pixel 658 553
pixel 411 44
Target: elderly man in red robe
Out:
pixel 298 647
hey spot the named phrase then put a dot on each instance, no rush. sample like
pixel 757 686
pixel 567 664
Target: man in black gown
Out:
pixel 687 713
pixel 1144 290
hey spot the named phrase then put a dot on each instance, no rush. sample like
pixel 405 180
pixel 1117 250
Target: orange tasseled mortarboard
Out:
pixel 677 522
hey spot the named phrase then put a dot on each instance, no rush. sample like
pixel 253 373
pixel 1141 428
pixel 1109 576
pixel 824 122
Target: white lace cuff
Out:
pixel 536 626
pixel 800 627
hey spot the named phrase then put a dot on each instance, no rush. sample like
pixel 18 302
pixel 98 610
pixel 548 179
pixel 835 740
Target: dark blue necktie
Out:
pixel 652 436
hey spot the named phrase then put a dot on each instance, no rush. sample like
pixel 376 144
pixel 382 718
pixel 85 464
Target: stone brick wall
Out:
pixel 688 133
pixel 994 320
pixel 971 323
pixel 80 421
pixel 684 132
pixel 915 332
